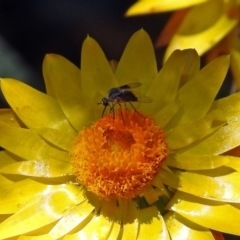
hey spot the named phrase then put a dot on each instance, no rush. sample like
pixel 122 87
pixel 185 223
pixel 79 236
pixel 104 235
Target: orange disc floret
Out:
pixel 119 155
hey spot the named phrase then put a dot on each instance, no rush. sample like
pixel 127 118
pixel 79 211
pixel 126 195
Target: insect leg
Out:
pixel 136 110
pixel 103 110
pixel 121 112
pixel 125 105
pixel 112 110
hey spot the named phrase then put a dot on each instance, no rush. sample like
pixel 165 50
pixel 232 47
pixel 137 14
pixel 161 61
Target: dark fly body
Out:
pixel 123 94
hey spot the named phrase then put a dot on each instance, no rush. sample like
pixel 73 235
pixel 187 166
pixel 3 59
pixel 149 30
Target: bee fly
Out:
pixel 123 94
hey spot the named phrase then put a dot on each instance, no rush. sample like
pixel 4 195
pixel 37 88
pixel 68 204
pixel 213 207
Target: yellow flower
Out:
pixel 207 26
pixel 156 172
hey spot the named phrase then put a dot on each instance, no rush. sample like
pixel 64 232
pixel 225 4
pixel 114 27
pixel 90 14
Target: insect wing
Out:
pixel 130 85
pixel 138 97
pixel 127 96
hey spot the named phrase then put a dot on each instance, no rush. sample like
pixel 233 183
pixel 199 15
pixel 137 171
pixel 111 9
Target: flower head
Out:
pixel 149 170
pixel 119 159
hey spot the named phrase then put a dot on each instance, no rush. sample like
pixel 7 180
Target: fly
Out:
pixel 123 94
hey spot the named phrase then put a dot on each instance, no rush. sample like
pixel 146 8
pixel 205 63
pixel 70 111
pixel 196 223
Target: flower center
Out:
pixel 119 155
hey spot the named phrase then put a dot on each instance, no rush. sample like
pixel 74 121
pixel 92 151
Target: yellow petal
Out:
pixel 4 181
pixel 217 172
pixel 181 229
pixel 222 217
pixel 168 178
pixel 225 139
pixel 205 39
pixel 65 79
pixel 97 78
pixel 97 228
pixel 42 237
pixel 230 107
pixel 34 108
pixel 127 211
pixel 130 230
pixel 207 81
pixel 185 134
pixel 224 188
pixel 43 209
pixel 89 230
pixel 150 195
pixel 142 69
pixel 159 187
pixel 63 140
pixel 7 116
pixel 41 232
pixel 164 88
pixel 233 163
pixel 78 216
pixel 235 62
pixel 96 72
pixel 197 162
pixel 152 225
pixel 155 6
pixel 190 64
pixel 15 196
pixel 48 85
pixel 28 144
pixel 164 116
pixel 7 158
pixel 191 24
pixel 38 168
pixel 116 231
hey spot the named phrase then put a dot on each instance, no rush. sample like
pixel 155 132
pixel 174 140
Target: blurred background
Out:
pixel 30 29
